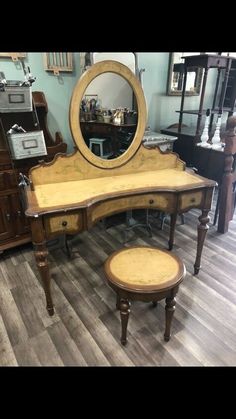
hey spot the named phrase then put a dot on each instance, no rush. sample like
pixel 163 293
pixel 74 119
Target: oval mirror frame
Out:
pixel 77 96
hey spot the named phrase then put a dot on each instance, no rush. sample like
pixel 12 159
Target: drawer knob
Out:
pixel 151 201
pixel 64 223
pixel 192 200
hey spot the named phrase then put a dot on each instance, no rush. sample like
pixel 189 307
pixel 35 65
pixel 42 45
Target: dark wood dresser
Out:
pixel 14 227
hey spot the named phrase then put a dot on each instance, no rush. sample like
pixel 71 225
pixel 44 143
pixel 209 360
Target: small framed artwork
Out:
pixel 58 62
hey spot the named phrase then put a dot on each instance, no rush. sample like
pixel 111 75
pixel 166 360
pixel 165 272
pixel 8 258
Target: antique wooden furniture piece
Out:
pixel 209 162
pixel 219 165
pixel 227 190
pixel 160 279
pixel 72 193
pixel 207 62
pixel 213 164
pixel 14 226
pixel 224 93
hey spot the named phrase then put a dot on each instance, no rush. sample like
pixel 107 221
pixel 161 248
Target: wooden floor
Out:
pixel 85 329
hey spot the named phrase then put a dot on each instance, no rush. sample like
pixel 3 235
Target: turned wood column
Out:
pixel 229 176
pixel 214 101
pixel 41 256
pixel 124 315
pixel 200 111
pixel 173 219
pixel 182 99
pixel 169 309
pixel 202 230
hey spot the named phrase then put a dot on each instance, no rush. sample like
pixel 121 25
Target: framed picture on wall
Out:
pixel 176 75
pixel 58 62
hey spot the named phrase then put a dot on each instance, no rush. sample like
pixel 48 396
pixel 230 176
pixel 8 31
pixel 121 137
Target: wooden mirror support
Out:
pixel 78 93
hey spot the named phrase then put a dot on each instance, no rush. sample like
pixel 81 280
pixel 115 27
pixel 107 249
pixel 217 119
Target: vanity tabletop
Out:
pixel 83 193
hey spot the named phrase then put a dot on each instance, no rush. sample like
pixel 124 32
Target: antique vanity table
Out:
pixel 72 193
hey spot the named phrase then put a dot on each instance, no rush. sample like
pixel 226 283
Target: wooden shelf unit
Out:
pixel 14 226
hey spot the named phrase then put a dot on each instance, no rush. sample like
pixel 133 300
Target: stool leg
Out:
pixel 124 315
pixel 173 218
pixel 170 308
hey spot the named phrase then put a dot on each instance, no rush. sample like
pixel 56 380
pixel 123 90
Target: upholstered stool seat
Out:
pixel 145 274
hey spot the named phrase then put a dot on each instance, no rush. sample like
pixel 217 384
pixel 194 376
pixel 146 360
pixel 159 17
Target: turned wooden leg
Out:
pixel 170 308
pixel 202 230
pixel 41 254
pixel 173 219
pixel 124 315
pixel 117 301
pixel 217 208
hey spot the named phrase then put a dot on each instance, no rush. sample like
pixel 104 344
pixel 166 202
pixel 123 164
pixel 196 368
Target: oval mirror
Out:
pixel 108 118
pixel 108 114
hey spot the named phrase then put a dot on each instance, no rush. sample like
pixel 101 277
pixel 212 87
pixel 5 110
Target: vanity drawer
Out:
pixel 163 201
pixel 190 200
pixel 68 223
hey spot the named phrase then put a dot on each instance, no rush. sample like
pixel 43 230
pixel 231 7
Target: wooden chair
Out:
pixel 144 274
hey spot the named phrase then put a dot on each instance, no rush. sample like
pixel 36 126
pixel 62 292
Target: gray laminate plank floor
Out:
pixel 85 330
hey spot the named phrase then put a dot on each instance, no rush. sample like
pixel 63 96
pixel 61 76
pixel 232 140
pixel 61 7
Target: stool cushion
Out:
pixel 144 269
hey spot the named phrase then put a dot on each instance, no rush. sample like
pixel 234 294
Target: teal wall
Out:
pixel 58 90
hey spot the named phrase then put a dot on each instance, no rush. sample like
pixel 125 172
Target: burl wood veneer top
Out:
pixel 144 268
pixel 81 191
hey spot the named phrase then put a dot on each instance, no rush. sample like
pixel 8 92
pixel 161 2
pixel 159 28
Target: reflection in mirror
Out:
pixel 108 120
pixel 176 75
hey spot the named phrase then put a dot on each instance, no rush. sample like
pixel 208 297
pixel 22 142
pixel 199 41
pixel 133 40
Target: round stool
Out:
pixel 145 274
